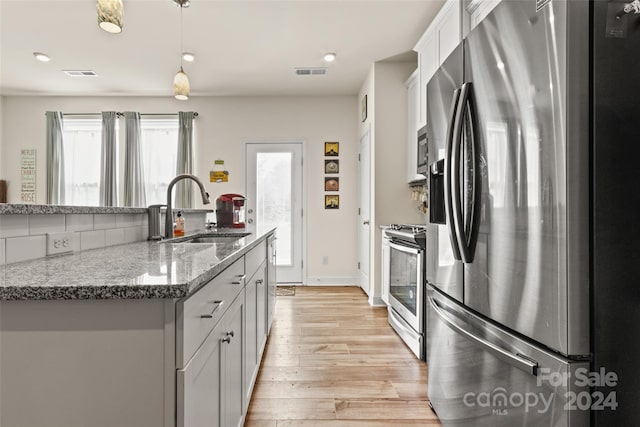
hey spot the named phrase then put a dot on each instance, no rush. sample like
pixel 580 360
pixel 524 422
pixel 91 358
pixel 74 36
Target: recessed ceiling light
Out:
pixel 188 56
pixel 42 57
pixel 329 56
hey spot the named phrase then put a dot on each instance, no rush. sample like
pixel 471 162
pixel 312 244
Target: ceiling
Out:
pixel 242 47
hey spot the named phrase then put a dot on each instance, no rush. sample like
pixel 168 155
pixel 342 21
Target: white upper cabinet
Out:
pixel 478 9
pixel 438 41
pixel 413 113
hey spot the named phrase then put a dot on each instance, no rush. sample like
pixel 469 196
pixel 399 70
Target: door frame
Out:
pixel 303 173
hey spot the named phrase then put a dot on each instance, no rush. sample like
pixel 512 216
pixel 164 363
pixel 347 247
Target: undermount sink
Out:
pixel 212 238
pixel 215 239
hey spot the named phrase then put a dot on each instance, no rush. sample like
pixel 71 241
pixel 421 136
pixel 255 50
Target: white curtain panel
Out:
pixel 55 159
pixel 184 188
pixel 108 165
pixel 134 186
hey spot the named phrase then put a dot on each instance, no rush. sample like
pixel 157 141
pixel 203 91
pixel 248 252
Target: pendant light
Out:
pixel 110 14
pixel 181 87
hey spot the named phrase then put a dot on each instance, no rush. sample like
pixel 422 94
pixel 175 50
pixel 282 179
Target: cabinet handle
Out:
pixel 226 339
pixel 259 282
pixel 240 280
pixel 210 315
pixel 230 333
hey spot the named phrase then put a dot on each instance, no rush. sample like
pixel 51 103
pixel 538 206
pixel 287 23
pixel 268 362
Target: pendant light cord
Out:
pixel 181 34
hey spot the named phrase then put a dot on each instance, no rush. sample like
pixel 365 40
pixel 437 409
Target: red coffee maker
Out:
pixel 230 211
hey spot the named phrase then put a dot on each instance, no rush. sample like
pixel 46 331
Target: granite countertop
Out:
pixel 167 269
pixel 22 209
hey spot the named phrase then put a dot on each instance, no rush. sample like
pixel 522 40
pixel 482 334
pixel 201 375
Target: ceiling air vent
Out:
pixel 80 73
pixel 311 71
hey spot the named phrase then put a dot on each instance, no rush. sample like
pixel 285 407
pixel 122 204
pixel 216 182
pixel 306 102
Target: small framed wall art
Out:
pixel 331 149
pixel 332 184
pixel 332 201
pixel 332 166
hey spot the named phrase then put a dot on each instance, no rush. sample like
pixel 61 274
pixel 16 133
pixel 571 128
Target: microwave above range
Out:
pixel 423 158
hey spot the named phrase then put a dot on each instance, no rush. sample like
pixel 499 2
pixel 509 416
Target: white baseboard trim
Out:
pixel 376 302
pixel 331 281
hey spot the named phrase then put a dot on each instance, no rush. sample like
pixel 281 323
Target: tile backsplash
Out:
pixel 24 237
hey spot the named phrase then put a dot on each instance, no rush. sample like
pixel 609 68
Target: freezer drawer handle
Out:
pixel 520 362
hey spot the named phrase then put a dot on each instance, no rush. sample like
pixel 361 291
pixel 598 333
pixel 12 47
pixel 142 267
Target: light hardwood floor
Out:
pixel 332 360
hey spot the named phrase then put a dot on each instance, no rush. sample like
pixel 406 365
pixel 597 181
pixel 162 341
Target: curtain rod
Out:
pixel 119 114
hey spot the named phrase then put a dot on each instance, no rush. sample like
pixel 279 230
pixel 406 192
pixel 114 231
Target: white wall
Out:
pixel 223 124
pixel 391 148
pixel 2 138
pixel 387 117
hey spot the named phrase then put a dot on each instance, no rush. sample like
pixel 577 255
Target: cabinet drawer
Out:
pixel 255 258
pixel 198 314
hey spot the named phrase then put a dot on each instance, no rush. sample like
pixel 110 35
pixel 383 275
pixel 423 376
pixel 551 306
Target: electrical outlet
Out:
pixel 59 243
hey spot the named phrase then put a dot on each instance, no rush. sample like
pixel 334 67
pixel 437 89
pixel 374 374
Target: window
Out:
pixel 159 150
pixel 81 153
pixel 82 145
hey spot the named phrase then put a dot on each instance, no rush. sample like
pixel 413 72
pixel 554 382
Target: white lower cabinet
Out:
pixel 214 387
pixel 256 317
pixel 198 384
pixel 262 294
pixel 232 401
pixel 209 388
pixel 384 265
pixel 251 337
pixel 271 280
pixel 190 362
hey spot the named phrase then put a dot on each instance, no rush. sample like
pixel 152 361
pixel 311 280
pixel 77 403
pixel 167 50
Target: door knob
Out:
pixel 365 222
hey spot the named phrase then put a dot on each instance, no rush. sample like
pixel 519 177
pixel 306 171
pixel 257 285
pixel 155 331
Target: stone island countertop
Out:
pixel 168 269
pixel 22 209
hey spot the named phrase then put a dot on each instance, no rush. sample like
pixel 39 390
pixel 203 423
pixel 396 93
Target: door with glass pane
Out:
pixel 274 199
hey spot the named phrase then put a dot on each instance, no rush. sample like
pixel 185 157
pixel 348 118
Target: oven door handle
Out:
pixel 405 249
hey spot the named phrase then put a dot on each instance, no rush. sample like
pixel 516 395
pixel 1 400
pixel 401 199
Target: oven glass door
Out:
pixel 406 283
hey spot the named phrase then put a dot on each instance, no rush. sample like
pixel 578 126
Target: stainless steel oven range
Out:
pixel 405 264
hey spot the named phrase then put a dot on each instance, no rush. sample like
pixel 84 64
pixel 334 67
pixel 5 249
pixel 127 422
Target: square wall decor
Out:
pixel 332 184
pixel 331 149
pixel 332 201
pixel 332 166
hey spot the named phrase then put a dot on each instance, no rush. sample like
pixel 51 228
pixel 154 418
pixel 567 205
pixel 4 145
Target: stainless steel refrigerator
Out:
pixel 524 281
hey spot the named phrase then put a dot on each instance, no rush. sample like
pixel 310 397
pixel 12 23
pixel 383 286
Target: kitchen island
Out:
pixel 142 334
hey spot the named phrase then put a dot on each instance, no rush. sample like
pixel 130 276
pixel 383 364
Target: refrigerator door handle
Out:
pixel 469 229
pixel 463 241
pixel 527 365
pixel 448 185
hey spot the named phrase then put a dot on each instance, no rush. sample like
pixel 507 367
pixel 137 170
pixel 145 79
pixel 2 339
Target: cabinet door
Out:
pixel 261 309
pixel 385 256
pixel 198 385
pixel 232 364
pixel 478 9
pixel 271 281
pixel 413 117
pixel 428 63
pixel 251 335
pixel 449 29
